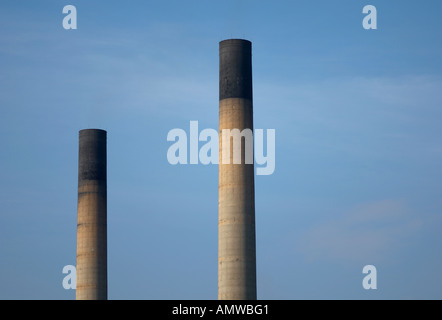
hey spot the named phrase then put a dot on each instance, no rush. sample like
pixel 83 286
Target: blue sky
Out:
pixel 357 115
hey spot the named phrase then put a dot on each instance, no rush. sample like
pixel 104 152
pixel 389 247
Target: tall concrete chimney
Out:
pixel 236 204
pixel 92 216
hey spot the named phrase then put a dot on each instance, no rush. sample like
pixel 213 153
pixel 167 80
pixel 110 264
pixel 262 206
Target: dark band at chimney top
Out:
pixel 92 155
pixel 235 73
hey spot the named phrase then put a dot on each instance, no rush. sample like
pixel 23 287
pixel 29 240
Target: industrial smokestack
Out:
pixel 92 216
pixel 236 204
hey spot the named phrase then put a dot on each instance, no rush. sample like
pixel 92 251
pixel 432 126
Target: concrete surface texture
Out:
pixel 236 203
pixel 92 216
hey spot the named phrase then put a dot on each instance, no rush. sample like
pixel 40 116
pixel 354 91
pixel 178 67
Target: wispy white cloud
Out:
pixel 368 232
pixel 140 73
pixel 370 117
pixel 331 101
